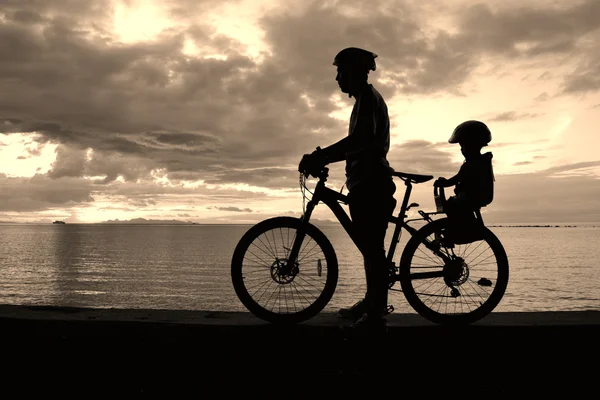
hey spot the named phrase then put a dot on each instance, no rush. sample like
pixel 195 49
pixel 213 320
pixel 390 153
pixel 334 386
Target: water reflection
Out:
pixel 188 267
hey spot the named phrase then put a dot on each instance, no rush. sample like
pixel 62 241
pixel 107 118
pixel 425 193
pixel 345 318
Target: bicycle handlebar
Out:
pixel 323 173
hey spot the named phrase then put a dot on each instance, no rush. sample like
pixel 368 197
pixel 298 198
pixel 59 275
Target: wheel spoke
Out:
pixel 309 252
pixel 301 277
pixel 267 254
pixel 273 254
pixel 270 282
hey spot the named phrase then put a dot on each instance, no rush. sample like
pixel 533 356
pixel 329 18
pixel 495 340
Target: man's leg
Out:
pixel 356 200
pixel 370 212
pixel 376 273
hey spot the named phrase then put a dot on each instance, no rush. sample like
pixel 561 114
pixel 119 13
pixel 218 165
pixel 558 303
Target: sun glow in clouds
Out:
pixel 159 176
pixel 145 20
pixel 22 156
pixel 239 21
pixel 137 21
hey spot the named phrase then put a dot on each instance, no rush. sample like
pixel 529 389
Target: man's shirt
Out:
pixel 370 132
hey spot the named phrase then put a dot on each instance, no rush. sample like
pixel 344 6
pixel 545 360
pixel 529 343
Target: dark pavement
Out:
pixel 102 353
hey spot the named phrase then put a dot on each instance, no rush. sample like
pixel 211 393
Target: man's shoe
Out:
pixel 355 312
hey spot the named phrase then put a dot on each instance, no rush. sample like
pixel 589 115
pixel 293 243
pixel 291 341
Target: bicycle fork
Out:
pixel 300 234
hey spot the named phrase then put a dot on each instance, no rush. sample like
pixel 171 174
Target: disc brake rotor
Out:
pixel 282 273
pixel 456 272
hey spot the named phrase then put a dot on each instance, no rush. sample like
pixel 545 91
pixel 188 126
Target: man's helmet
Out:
pixel 353 56
pixel 471 132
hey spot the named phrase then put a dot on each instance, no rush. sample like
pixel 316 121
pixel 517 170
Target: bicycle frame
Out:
pixel 332 199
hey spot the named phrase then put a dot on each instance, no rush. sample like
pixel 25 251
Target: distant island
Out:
pixel 533 226
pixel 143 221
pixel 59 222
pixel 148 221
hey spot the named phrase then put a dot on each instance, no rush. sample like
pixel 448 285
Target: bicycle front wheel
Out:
pixel 271 287
pixel 462 286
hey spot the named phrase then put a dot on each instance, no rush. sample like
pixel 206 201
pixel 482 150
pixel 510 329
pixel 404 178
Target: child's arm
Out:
pixel 443 182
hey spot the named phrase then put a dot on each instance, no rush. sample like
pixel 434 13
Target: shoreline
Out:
pixel 234 319
pixel 318 223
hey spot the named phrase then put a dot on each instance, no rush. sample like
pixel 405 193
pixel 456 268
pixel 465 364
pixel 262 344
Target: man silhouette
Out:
pixel 368 179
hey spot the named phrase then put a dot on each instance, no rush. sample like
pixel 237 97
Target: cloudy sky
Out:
pixel 201 110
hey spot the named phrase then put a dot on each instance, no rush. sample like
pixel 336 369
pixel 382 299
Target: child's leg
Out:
pixel 463 225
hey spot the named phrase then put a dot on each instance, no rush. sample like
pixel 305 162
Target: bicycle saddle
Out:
pixel 415 178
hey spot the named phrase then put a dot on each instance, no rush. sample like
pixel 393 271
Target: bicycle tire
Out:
pixel 466 315
pixel 323 288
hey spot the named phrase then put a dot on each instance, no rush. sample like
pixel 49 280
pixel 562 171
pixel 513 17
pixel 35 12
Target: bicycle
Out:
pixel 438 277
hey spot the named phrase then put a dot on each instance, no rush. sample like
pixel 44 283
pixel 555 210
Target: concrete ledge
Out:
pixel 239 319
pixel 82 352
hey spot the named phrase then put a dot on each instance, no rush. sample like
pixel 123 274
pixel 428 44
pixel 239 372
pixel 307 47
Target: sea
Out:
pixel 553 267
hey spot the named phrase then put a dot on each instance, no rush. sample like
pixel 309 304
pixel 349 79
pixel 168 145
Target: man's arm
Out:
pixel 360 139
pixel 337 151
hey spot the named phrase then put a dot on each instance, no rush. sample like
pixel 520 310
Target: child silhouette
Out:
pixel 474 182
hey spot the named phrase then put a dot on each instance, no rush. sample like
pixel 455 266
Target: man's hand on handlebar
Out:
pixel 312 163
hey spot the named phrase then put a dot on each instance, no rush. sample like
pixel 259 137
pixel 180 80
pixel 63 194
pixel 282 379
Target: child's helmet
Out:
pixel 356 57
pixel 471 132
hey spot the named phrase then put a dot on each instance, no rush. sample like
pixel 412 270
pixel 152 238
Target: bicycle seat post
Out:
pixel 404 206
pixel 400 219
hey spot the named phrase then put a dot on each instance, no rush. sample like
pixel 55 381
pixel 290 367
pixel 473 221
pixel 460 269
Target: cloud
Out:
pixel 512 116
pixel 545 198
pixel 39 193
pixel 542 97
pixel 584 80
pixel 151 101
pixel 424 157
pixel 208 118
pixel 43 192
pixel 571 167
pixel 147 109
pixel 550 29
pixel 233 209
pixel 531 32
pixel 68 163
pixel 274 178
pixel 410 60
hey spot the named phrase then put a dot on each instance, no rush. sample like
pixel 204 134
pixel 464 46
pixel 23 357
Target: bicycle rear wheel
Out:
pixel 275 290
pixel 462 287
